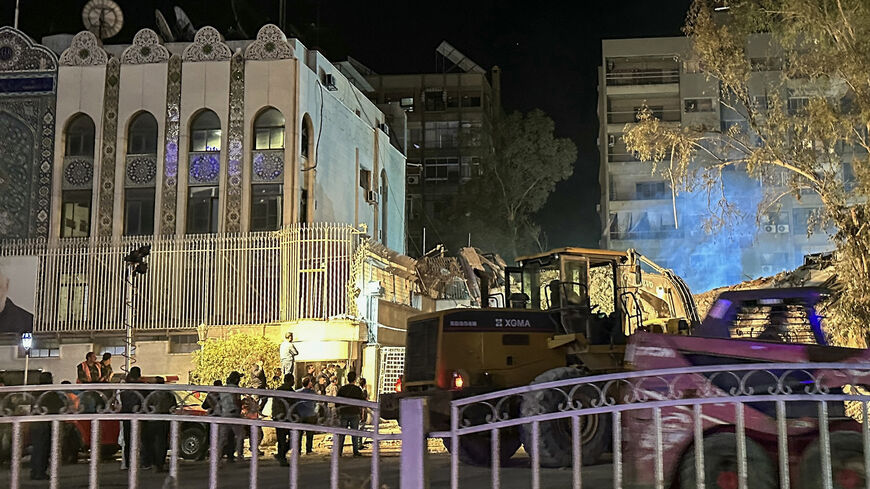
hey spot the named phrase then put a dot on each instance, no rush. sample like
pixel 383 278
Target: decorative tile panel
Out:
pixel 271 44
pixel 268 166
pixel 19 53
pixel 234 144
pixel 78 172
pixel 141 170
pixel 106 202
pixel 207 45
pixel 146 48
pixel 84 50
pixel 204 168
pixel 170 166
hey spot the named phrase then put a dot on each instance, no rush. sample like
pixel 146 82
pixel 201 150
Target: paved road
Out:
pixel 314 474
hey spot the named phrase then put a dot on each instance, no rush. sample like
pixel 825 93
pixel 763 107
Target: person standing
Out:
pixel 366 413
pixel 40 431
pixel 332 391
pixel 106 368
pixel 231 407
pixel 281 413
pixel 131 402
pixel 156 433
pixel 308 414
pixel 349 416
pixel 288 353
pixel 88 372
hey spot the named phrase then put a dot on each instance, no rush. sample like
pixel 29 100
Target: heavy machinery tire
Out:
pixel 476 449
pixel 720 465
pixel 847 462
pixel 555 441
pixel 108 452
pixel 193 442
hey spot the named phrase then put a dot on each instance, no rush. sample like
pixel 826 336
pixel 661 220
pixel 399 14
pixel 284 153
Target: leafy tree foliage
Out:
pixel 240 351
pixel 824 46
pixel 520 173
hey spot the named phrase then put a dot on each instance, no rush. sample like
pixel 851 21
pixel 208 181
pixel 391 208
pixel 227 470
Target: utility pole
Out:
pixel 15 25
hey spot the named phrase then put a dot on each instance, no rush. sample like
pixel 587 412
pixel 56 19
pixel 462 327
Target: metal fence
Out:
pixel 741 426
pixel 304 271
pixel 38 420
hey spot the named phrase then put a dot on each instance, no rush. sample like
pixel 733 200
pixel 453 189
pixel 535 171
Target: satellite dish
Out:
pixel 185 27
pixel 103 17
pixel 163 27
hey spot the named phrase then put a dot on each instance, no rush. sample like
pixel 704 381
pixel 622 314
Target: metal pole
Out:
pixel 26 364
pixel 128 317
pixel 16 14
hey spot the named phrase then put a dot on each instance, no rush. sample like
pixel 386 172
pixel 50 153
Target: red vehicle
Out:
pixel 753 326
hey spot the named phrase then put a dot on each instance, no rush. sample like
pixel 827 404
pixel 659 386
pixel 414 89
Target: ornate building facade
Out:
pixel 265 182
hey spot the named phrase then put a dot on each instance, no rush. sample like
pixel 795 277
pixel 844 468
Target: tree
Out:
pixel 518 176
pixel 811 132
pixel 217 357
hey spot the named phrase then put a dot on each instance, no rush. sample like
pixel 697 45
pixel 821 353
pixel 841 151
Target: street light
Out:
pixel 27 344
pixel 136 265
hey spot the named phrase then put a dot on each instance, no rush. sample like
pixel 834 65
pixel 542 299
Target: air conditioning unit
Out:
pixel 372 197
pixel 782 228
pixel 413 179
pixel 767 269
pixel 329 82
pixel 611 140
pixel 769 228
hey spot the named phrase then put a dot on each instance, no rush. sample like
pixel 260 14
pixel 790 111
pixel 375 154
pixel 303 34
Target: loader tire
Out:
pixel 555 442
pixel 476 448
pixel 720 465
pixel 847 462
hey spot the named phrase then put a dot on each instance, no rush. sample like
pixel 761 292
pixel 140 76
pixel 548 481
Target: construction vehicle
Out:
pixel 562 314
pixel 749 327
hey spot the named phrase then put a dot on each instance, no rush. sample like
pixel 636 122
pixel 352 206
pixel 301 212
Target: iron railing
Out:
pixel 785 421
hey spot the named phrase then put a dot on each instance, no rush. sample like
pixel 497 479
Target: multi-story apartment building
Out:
pixel 449 121
pixel 637 207
pixel 265 183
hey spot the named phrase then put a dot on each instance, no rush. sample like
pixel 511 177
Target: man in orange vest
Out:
pixel 89 372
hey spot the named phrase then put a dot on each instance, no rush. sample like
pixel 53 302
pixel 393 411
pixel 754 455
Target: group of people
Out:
pixel 328 382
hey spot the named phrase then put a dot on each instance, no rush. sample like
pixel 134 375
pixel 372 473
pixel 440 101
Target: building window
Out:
pixel 267 202
pixel 470 167
pixel 142 136
pixel 115 350
pixel 434 100
pixel 183 343
pixel 139 212
pixel 202 210
pixel 365 179
pixel 441 170
pixel 75 214
pixel 205 132
pixel 269 130
pixel 796 104
pixel 452 100
pixel 650 190
pixel 42 348
pixel 407 103
pixel 80 137
pixel 442 134
pixel 471 100
pixel 760 102
pixel 766 64
pixel 698 105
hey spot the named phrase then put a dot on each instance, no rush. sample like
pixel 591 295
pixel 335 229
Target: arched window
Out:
pixel 80 136
pixel 267 191
pixel 205 132
pixel 203 198
pixel 269 130
pixel 141 175
pixel 384 210
pixel 142 135
pixel 78 173
pixel 305 148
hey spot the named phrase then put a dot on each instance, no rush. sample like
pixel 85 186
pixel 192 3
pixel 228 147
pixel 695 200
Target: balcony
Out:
pixel 667 233
pixel 649 76
pixel 630 116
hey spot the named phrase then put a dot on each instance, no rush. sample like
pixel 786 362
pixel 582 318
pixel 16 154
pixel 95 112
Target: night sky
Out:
pixel 548 52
